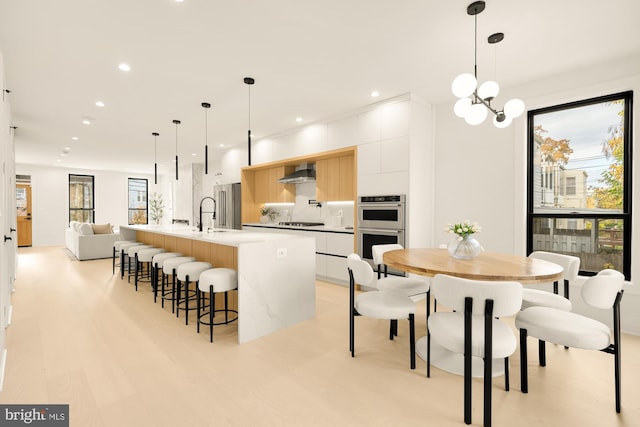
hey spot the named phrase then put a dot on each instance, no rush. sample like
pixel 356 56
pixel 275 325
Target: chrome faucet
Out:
pixel 214 211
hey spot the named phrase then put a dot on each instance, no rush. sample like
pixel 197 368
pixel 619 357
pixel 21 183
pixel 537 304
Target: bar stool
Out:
pixel 188 272
pixel 170 267
pixel 124 248
pixel 214 281
pixel 116 250
pixel 145 256
pixel 156 266
pixel 131 252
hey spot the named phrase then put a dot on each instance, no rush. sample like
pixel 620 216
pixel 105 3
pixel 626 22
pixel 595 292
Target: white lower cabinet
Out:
pixel 331 252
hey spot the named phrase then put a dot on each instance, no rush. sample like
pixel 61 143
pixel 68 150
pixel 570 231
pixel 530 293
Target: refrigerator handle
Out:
pixel 223 208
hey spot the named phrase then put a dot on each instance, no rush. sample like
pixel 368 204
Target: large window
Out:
pixel 81 198
pixel 138 201
pixel 579 182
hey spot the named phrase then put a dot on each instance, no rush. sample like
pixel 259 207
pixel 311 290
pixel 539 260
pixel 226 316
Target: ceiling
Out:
pixel 310 59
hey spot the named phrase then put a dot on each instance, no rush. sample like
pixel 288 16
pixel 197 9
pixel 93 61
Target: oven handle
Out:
pixel 380 205
pixel 380 231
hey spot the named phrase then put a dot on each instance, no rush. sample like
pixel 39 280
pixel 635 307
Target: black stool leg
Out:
pixel 186 301
pixel 226 307
pixel 198 297
pixel 212 306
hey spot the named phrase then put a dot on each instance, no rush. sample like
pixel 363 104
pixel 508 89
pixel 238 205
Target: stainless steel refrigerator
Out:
pixel 228 205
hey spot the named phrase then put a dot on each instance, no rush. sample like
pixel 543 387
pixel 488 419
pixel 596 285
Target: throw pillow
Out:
pixel 85 229
pixel 102 228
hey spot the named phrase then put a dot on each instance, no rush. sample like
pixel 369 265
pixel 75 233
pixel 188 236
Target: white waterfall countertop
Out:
pixel 221 236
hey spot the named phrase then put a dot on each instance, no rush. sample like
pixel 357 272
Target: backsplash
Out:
pixel 303 211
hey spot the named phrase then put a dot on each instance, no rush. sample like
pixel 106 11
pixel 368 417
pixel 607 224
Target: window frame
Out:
pixel 625 216
pixel 129 208
pixel 93 197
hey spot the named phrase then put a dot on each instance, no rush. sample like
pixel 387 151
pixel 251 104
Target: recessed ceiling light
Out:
pixel 179 1
pixel 99 104
pixel 67 148
pixel 298 119
pixel 86 122
pixel 193 154
pixel 375 94
pixel 75 138
pixel 221 145
pixel 124 67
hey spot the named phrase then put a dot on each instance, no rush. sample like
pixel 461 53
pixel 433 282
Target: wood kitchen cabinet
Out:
pixel 335 179
pixel 267 189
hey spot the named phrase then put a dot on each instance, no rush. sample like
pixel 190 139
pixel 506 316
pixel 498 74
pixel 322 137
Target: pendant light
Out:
pixel 249 81
pixel 206 106
pixel 475 102
pixel 155 156
pixel 176 122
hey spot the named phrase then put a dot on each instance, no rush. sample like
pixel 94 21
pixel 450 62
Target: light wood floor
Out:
pixel 82 336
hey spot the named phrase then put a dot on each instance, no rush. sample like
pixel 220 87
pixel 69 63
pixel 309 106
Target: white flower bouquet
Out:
pixel 463 229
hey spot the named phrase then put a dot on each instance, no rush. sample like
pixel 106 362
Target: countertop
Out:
pixel 317 228
pixel 219 236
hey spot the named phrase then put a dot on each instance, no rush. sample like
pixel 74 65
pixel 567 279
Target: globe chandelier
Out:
pixel 475 101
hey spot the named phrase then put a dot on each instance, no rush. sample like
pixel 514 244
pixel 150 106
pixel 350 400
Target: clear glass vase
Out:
pixel 465 248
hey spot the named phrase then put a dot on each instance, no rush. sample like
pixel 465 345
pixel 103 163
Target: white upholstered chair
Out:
pixel 540 298
pixel 473 328
pixel 416 289
pixel 380 304
pixel 603 291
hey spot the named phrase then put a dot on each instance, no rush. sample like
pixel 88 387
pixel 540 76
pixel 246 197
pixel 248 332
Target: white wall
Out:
pixel 50 199
pixel 480 171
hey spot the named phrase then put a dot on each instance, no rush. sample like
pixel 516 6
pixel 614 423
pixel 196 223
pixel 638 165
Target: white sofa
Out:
pixel 86 244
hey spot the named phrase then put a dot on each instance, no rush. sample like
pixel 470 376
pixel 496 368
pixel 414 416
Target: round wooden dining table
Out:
pixel 486 266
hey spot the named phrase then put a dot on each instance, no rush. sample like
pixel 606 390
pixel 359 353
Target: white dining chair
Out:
pixel 541 298
pixel 416 289
pixel 377 304
pixel 474 329
pixel 603 291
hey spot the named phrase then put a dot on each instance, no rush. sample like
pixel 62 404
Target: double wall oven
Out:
pixel 381 220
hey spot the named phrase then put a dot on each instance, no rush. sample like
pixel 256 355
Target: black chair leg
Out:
pixel 506 374
pixel 524 376
pixel 488 369
pixel 542 354
pixel 412 340
pixel 428 354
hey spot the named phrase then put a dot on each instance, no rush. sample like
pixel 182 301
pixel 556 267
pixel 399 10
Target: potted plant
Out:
pixel 156 208
pixel 267 214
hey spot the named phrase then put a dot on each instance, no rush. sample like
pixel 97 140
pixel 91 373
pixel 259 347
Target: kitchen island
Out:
pixel 276 272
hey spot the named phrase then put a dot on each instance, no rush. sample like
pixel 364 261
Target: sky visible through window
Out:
pixel 587 128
